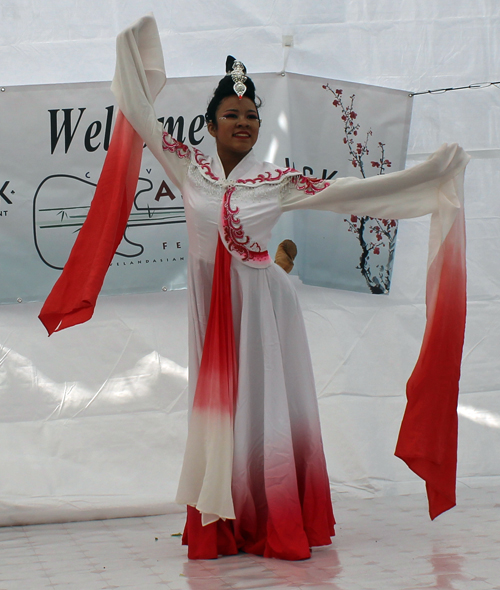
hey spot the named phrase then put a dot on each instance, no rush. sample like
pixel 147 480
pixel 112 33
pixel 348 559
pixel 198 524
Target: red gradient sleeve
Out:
pixel 73 297
pixel 428 436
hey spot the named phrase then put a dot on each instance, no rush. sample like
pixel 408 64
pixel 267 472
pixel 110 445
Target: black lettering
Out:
pixel 164 191
pixel 170 126
pixel 66 127
pixel 3 213
pixel 3 195
pixel 287 163
pixel 91 134
pixel 164 245
pixel 310 170
pixel 107 130
pixel 178 244
pixel 195 126
pixel 181 258
pixel 325 172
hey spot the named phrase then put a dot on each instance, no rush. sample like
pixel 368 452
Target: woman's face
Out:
pixel 237 126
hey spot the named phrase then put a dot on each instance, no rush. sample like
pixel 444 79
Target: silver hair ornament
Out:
pixel 239 78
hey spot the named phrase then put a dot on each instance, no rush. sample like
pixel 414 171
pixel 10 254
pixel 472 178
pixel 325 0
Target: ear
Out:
pixel 212 129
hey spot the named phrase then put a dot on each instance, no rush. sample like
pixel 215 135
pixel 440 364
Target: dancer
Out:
pixel 254 474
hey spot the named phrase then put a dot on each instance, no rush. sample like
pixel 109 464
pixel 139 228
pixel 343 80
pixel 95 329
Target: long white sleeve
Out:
pixel 435 186
pixel 139 77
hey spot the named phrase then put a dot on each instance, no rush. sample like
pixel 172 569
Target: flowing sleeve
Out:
pixel 427 440
pixel 430 187
pixel 139 77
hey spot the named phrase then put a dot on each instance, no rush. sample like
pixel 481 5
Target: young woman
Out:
pixel 254 475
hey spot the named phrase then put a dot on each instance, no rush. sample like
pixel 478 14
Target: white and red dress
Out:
pixel 254 475
pixel 254 457
pixel 254 454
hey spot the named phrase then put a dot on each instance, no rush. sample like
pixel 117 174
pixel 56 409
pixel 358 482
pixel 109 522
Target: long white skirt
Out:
pixel 279 482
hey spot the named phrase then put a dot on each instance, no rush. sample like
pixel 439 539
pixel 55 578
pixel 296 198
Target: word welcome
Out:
pixel 66 125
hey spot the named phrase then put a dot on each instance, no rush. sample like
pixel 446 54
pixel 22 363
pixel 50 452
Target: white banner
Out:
pixel 55 140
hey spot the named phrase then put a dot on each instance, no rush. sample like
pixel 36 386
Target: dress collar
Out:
pixel 241 170
pixel 248 172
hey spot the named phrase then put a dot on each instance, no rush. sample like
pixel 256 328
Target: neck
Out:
pixel 230 160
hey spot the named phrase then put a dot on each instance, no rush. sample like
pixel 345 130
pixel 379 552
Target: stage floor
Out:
pixel 382 543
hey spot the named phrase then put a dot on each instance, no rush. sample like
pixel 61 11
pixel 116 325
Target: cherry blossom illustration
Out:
pixel 377 237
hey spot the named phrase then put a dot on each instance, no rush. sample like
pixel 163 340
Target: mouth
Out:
pixel 242 135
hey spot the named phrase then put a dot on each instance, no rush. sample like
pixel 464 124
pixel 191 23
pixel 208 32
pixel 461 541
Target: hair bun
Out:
pixel 226 88
pixel 229 63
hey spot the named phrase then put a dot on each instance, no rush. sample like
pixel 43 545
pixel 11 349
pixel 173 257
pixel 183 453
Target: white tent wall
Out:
pixel 93 420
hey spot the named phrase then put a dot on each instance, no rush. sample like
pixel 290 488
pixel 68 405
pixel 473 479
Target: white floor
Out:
pixel 382 543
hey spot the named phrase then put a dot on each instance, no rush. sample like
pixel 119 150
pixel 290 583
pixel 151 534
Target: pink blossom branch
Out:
pixel 384 230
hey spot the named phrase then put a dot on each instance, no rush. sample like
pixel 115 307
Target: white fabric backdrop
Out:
pixel 120 455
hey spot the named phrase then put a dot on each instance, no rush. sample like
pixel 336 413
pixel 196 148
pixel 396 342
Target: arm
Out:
pixel 409 193
pixel 435 186
pixel 139 77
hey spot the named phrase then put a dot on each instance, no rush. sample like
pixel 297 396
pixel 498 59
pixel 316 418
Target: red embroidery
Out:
pixel 266 176
pixel 234 235
pixel 173 146
pixel 203 164
pixel 309 184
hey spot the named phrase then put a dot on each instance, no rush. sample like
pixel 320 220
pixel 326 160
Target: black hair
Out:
pixel 225 89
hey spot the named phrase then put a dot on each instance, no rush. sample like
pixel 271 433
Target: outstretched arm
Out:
pixel 139 78
pixel 435 186
pixel 409 193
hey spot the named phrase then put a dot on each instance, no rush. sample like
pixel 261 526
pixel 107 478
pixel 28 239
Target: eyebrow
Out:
pixel 237 111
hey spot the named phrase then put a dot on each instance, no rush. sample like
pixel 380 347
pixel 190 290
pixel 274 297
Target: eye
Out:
pixel 253 116
pixel 230 116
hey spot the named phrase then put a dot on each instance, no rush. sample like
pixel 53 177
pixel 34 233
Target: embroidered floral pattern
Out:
pixel 266 176
pixel 173 146
pixel 234 235
pixel 309 184
pixel 204 165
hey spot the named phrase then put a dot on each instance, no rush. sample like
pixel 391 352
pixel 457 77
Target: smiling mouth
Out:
pixel 245 135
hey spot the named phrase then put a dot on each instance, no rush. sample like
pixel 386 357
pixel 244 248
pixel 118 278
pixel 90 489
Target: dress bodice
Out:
pixel 242 208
